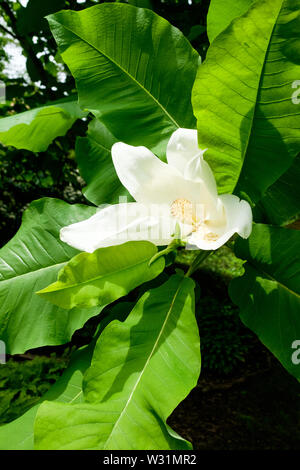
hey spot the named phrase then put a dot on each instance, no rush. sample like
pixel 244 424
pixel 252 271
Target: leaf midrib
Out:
pixel 125 72
pixel 101 276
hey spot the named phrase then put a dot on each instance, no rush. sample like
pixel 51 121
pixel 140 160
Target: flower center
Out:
pixel 182 210
pixel 211 236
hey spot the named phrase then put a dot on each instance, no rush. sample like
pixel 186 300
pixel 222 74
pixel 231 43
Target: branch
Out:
pixel 26 44
pixel 7 31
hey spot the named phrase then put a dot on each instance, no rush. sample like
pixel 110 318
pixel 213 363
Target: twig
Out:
pixel 8 32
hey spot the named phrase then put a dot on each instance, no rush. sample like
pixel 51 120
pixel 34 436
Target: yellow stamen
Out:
pixel 211 237
pixel 182 210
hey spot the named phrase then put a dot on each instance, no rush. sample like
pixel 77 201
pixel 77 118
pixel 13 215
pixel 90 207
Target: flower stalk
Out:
pixel 176 243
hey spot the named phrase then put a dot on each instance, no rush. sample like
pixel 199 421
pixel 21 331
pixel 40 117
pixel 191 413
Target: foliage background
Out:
pixel 25 176
pixel 230 351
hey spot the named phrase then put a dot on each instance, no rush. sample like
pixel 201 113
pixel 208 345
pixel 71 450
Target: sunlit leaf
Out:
pixel 30 262
pixel 243 98
pixel 281 202
pixel 101 277
pixel 133 70
pixel 18 435
pixel 35 129
pixel 140 371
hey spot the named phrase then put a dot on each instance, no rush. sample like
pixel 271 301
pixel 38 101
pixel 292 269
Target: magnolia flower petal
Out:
pixel 149 180
pixel 196 241
pixel 238 214
pixel 238 220
pixel 119 223
pixel 184 154
pixel 182 147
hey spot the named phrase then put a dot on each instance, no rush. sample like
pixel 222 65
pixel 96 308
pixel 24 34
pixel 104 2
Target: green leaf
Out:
pixel 100 278
pixel 31 18
pixel 35 129
pixel 133 70
pixel 30 262
pixel 140 371
pixel 93 155
pixel 18 435
pixel 268 294
pixel 243 98
pixel 220 15
pixel 281 203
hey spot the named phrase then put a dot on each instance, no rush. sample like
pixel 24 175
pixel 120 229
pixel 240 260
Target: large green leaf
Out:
pixel 35 129
pixel 133 70
pixel 93 155
pixel 140 371
pixel 29 262
pixel 242 98
pixel 221 13
pixel 18 435
pixel 268 294
pixel 101 277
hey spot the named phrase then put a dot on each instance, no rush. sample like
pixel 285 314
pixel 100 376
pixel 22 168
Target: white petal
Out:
pixel 149 180
pixel 119 223
pixel 238 213
pixel 196 242
pixel 238 220
pixel 184 154
pixel 182 147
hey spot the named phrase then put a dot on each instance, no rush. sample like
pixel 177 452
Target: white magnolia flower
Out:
pixel 181 192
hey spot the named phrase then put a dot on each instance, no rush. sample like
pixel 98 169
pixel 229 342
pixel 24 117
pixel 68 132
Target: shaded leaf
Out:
pixel 31 18
pixel 268 294
pixel 220 15
pixel 93 155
